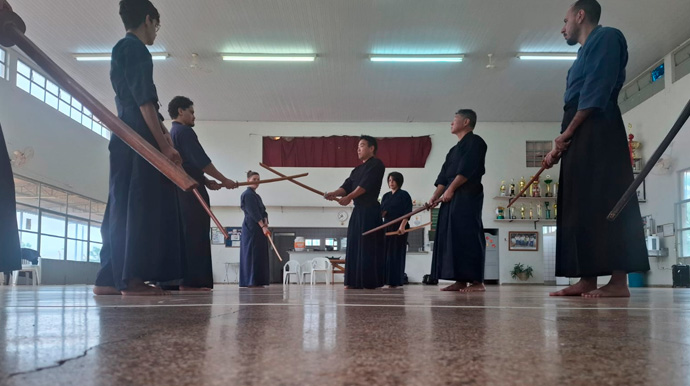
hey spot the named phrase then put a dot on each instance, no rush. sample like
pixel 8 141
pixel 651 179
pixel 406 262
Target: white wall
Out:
pixel 235 147
pixel 651 121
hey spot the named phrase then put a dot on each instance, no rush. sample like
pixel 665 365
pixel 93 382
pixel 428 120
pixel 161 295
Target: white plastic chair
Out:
pixel 321 264
pixel 35 271
pixel 292 268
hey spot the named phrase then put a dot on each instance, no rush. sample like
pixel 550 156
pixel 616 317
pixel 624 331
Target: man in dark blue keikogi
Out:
pixel 596 167
pixel 365 258
pixel 141 229
pixel 196 223
pixel 459 246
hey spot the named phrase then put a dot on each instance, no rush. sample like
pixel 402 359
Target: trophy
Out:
pixel 522 212
pixel 539 211
pixel 522 185
pixel 531 212
pixel 511 213
pixel 555 189
pixel 535 189
pixel 548 182
pixel 548 211
pixel 511 192
pixel 500 213
pixel 555 211
pixel 503 188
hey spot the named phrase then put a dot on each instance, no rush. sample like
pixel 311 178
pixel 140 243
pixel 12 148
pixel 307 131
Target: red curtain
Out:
pixel 341 151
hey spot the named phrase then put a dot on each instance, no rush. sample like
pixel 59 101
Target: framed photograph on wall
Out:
pixel 641 192
pixel 523 241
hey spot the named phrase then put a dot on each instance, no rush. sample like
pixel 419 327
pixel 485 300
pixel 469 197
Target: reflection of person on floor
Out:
pixel 141 227
pixel 596 169
pixel 460 247
pixel 254 263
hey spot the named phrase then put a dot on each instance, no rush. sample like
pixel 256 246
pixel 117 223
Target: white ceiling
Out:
pixel 342 85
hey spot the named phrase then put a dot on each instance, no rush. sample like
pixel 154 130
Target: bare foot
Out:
pixel 139 288
pixel 102 290
pixel 609 291
pixel 392 286
pixel 476 287
pixel 457 286
pixel 582 286
pixel 195 289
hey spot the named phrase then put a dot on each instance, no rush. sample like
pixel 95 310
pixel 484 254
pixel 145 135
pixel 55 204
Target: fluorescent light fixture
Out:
pixel 416 58
pixel 547 56
pixel 269 57
pixel 106 57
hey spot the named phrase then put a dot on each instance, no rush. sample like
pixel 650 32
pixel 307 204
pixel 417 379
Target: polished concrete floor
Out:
pixel 302 335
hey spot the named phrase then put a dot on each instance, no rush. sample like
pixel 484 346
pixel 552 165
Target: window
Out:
pixel 312 242
pixel 536 152
pixel 642 88
pixel 3 64
pixel 684 213
pixel 48 92
pixel 681 61
pixel 59 224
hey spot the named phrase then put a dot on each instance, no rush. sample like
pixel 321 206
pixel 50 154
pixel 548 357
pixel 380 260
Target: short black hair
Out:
pixel 134 12
pixel 397 177
pixel 251 174
pixel 469 114
pixel 592 10
pixel 179 102
pixel 371 141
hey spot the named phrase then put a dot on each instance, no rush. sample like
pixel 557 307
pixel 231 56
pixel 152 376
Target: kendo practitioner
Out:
pixel 196 223
pixel 395 204
pixel 459 246
pixel 596 166
pixel 365 257
pixel 141 228
pixel 254 260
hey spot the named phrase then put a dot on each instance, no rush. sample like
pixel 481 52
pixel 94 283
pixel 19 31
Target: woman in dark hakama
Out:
pixel 394 204
pixel 365 258
pixel 141 228
pixel 254 268
pixel 10 254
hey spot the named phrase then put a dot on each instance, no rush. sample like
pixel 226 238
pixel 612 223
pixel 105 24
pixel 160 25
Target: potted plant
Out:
pixel 521 272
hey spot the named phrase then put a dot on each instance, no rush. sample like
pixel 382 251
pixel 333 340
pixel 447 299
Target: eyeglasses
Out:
pixel 158 27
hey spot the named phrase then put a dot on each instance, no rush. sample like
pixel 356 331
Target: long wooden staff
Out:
pixel 397 220
pixel 684 115
pixel 12 32
pixel 272 180
pixel 274 247
pixel 408 230
pixel 309 188
pixel 536 177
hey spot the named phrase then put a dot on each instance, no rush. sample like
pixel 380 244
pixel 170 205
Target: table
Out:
pixel 338 267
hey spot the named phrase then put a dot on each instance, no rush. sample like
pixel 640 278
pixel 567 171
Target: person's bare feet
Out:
pixel 102 290
pixel 391 287
pixel 137 287
pixel 195 289
pixel 347 287
pixel 581 287
pixel 475 287
pixel 457 286
pixel 609 291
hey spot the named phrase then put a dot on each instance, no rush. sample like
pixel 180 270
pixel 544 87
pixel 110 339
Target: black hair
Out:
pixel 469 114
pixel 371 141
pixel 134 12
pixel 179 102
pixel 592 10
pixel 251 174
pixel 398 178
